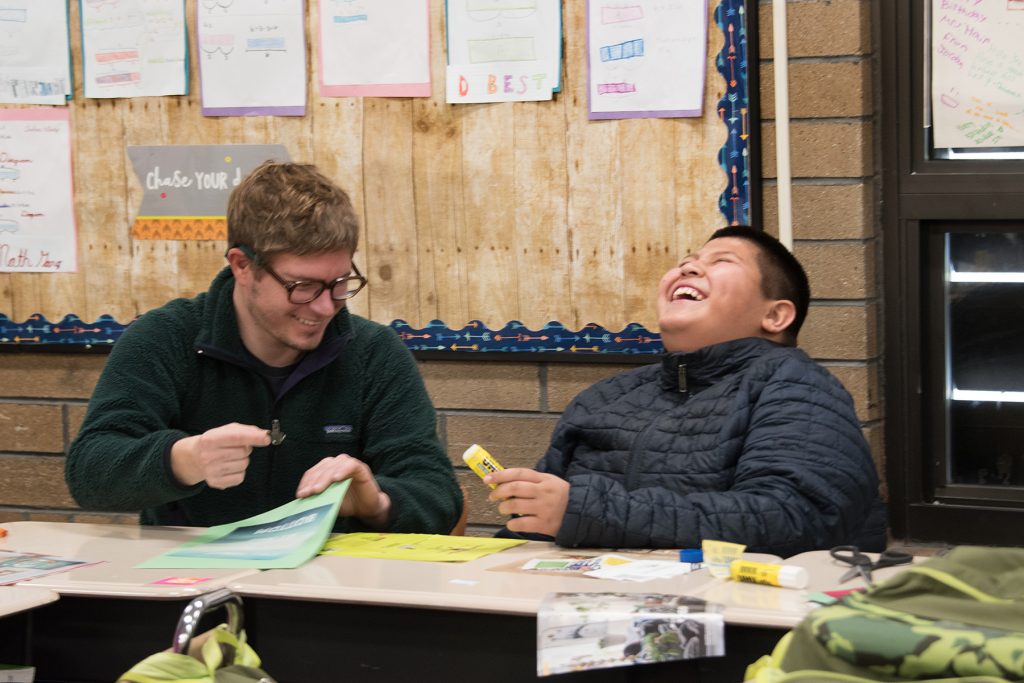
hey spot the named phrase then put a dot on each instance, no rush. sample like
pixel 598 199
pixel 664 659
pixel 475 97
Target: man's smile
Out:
pixel 309 323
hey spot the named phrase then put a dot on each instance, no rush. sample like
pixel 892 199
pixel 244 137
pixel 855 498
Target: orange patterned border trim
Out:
pixel 180 228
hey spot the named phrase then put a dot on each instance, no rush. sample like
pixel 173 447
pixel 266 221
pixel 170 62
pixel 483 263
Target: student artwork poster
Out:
pixel 35 61
pixel 374 49
pixel 502 50
pixel 646 58
pixel 252 57
pixel 134 49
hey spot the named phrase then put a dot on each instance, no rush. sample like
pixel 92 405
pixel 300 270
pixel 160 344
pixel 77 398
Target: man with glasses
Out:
pixel 265 387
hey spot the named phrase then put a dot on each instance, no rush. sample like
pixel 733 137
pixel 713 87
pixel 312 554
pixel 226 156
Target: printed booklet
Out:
pixel 579 631
pixel 16 566
pixel 282 538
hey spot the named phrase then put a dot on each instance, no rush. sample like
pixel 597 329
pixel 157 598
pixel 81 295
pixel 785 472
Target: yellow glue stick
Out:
pixel 481 462
pixel 785 575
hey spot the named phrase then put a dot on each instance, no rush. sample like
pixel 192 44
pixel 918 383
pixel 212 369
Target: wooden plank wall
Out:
pixel 497 212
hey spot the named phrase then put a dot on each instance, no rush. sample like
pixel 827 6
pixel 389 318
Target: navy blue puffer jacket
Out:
pixel 745 441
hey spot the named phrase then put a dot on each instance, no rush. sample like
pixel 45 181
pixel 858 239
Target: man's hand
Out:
pixel 218 456
pixel 363 500
pixel 539 499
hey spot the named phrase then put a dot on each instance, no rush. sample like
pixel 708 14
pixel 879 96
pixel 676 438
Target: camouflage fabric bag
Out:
pixel 217 656
pixel 959 617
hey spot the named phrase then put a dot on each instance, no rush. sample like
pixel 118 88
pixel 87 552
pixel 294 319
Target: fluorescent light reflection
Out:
pixel 988 396
pixel 954 154
pixel 955 276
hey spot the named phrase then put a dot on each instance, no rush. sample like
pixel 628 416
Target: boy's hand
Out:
pixel 536 498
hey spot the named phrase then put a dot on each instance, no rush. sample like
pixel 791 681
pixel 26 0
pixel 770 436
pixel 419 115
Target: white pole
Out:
pixel 782 159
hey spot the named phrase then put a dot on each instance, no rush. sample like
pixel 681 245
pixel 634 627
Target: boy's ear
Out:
pixel 780 315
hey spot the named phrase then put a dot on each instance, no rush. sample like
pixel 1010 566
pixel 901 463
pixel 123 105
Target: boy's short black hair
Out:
pixel 782 276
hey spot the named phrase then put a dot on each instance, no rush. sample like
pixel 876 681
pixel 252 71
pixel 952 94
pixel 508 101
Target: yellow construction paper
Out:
pixel 417 547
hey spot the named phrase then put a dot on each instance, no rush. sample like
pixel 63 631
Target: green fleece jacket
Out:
pixel 182 369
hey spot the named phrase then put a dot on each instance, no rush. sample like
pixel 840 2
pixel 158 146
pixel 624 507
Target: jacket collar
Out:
pixel 704 367
pixel 220 338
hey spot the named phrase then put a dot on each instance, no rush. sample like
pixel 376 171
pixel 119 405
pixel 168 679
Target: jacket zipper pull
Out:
pixel 681 380
pixel 275 433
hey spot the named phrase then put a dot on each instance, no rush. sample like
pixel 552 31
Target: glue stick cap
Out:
pixel 791 576
pixel 691 555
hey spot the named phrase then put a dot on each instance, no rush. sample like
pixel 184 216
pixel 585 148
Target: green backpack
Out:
pixel 958 617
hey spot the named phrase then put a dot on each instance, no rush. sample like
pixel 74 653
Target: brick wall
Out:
pixel 836 221
pixel 42 403
pixel 511 407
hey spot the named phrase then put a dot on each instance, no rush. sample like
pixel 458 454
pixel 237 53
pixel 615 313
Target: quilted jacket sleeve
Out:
pixel 801 478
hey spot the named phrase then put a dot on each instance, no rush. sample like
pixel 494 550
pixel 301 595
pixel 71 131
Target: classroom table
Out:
pixel 110 615
pixel 385 620
pixel 341 618
pixel 15 625
pixel 15 599
pixel 779 608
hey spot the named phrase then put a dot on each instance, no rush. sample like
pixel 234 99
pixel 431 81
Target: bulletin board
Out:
pixel 484 227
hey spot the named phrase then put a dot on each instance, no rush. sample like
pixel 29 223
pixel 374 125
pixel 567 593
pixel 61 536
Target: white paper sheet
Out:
pixel 978 73
pixel 647 58
pixel 134 48
pixel 35 60
pixel 252 56
pixel 37 219
pixel 503 50
pixel 379 49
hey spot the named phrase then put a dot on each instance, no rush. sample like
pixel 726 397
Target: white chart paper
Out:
pixel 376 49
pixel 134 48
pixel 978 73
pixel 647 58
pixel 37 219
pixel 252 56
pixel 35 59
pixel 503 50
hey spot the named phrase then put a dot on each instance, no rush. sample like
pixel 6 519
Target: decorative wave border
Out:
pixel 734 111
pixel 473 337
pixel 514 337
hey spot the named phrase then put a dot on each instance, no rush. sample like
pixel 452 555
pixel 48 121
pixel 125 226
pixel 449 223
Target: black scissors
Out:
pixel 861 565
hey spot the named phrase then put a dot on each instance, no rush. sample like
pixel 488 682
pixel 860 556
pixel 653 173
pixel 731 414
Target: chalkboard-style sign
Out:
pixel 186 187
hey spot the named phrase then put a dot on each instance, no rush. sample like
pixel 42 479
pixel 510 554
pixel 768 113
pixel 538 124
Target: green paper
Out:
pixel 282 538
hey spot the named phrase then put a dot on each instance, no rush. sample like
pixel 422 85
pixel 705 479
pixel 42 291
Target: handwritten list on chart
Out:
pixel 37 220
pixel 978 73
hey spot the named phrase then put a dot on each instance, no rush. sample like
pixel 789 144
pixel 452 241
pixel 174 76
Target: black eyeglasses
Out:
pixel 304 291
